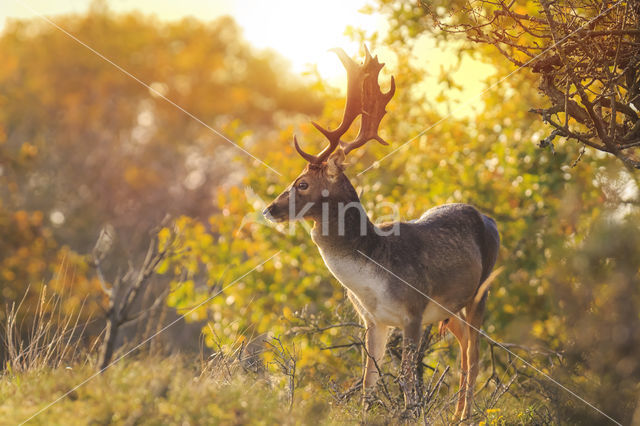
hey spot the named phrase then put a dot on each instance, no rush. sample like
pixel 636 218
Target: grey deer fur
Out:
pixel 447 254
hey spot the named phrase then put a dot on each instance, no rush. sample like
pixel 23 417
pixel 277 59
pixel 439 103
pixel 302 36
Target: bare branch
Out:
pixel 589 68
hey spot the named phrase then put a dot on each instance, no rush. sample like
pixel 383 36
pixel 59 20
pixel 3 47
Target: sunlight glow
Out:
pixel 304 31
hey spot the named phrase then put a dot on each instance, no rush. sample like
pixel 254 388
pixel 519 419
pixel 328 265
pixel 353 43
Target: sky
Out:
pixel 302 31
pixel 278 24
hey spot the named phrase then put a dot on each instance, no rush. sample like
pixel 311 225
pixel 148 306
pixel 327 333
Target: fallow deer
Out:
pixel 402 274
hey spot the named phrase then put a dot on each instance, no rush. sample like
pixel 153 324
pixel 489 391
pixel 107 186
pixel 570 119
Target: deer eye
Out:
pixel 303 185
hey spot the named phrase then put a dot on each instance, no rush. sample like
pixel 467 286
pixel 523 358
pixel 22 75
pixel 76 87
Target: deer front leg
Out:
pixel 411 334
pixel 375 344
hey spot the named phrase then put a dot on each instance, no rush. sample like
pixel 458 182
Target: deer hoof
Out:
pixel 368 400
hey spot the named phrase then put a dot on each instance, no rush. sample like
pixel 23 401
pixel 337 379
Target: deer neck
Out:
pixel 343 224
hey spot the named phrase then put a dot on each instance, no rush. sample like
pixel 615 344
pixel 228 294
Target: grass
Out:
pixel 177 390
pixel 158 390
pixel 45 367
pixel 51 338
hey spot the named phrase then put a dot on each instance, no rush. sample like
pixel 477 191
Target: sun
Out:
pixel 304 31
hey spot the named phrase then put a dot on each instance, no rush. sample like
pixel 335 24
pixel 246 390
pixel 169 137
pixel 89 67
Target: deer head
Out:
pixel 323 177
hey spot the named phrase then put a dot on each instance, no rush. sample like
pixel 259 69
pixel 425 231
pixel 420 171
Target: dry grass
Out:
pixel 52 339
pixel 235 385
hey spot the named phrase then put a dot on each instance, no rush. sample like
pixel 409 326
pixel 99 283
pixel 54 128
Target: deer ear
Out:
pixel 335 164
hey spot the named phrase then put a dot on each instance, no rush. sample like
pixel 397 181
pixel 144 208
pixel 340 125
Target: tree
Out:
pixel 126 289
pixel 83 144
pixel 597 288
pixel 104 148
pixel 586 53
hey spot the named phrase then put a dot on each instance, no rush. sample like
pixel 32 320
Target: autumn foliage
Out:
pixel 84 145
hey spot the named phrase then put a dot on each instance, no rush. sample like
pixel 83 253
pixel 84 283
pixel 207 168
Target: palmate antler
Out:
pixel 365 98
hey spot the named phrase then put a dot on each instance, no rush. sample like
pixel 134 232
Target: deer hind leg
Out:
pixel 411 334
pixel 460 330
pixel 475 312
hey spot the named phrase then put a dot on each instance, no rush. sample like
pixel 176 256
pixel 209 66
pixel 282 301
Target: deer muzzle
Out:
pixel 275 213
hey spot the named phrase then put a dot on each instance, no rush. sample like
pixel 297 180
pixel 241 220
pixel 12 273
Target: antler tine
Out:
pixel 353 108
pixel 363 97
pixel 373 108
pixel 355 79
pixel 310 158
